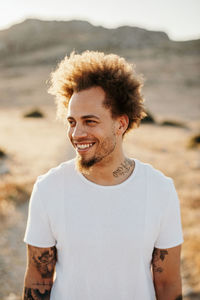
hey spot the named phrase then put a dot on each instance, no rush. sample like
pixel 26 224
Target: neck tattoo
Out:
pixel 124 168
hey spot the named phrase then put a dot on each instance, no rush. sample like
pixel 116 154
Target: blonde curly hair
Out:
pixel 112 73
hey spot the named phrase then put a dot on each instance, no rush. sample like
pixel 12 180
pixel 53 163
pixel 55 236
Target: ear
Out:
pixel 122 124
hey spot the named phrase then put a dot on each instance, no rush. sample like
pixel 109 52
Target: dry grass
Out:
pixel 15 192
pixel 12 194
pixel 191 246
pixel 191 224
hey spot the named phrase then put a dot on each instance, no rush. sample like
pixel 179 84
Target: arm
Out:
pixel 39 273
pixel 166 273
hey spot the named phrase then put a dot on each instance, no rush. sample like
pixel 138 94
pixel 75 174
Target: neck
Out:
pixel 112 172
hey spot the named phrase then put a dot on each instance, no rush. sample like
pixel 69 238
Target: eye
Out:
pixel 90 122
pixel 72 123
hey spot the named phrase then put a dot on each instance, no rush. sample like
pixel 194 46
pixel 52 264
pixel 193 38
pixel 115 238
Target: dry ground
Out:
pixel 35 145
pixel 32 147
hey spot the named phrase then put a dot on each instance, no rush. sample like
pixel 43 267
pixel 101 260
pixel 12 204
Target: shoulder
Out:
pixel 161 192
pixel 57 174
pixel 156 178
pixel 48 192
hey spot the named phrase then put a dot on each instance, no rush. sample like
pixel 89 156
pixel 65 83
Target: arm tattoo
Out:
pixel 44 260
pixel 42 284
pixel 124 168
pixel 35 294
pixel 156 257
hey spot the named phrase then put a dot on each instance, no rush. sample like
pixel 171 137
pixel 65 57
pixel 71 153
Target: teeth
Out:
pixel 84 146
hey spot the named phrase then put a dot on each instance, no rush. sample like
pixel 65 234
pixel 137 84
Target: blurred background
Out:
pixel 162 40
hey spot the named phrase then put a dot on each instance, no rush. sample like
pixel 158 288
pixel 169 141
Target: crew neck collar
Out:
pixel 109 187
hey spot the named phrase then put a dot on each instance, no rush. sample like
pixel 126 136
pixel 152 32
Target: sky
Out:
pixel 178 18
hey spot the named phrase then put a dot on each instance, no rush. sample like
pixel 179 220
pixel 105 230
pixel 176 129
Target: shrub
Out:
pixel 173 124
pixel 2 153
pixel 194 141
pixel 35 113
pixel 149 119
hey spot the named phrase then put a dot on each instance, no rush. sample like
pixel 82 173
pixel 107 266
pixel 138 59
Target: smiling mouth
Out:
pixel 83 147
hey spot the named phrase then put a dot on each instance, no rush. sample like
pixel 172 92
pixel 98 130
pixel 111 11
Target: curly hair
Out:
pixel 112 73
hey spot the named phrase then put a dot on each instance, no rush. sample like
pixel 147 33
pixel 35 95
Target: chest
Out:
pixel 103 222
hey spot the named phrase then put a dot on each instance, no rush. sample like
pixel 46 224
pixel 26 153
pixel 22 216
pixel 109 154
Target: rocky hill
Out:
pixel 53 39
pixel 34 34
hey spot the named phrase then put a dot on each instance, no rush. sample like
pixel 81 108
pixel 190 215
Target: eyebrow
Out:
pixel 90 117
pixel 86 117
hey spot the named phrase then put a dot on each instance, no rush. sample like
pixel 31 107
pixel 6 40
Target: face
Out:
pixel 91 130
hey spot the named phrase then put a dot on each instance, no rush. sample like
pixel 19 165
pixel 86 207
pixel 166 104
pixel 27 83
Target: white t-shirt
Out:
pixel 104 235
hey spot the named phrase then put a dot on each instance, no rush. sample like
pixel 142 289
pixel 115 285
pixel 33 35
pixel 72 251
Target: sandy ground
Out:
pixel 35 145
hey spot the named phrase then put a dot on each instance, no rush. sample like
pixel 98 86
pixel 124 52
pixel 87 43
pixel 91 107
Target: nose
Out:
pixel 78 132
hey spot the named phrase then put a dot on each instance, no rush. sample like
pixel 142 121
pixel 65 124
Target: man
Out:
pixel 109 224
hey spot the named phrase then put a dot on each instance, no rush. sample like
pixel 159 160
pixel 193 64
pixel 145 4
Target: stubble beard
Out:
pixel 106 148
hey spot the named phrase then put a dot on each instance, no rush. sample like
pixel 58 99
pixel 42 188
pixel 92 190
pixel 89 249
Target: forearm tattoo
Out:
pixel 44 261
pixel 124 168
pixel 35 294
pixel 157 256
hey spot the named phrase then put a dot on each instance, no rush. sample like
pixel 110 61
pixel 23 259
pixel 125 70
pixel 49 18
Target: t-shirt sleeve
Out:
pixel 170 233
pixel 38 230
